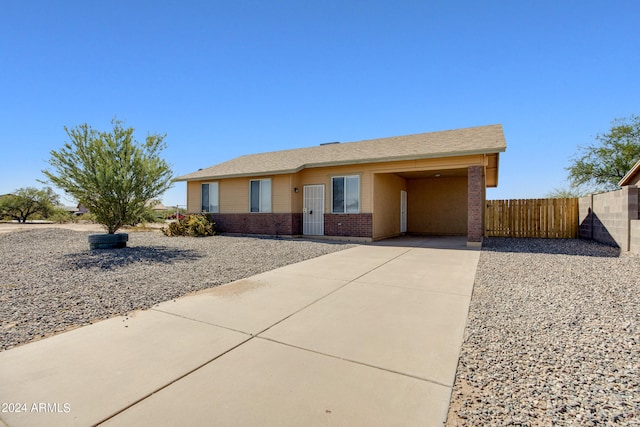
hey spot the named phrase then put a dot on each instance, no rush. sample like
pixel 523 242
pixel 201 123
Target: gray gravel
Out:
pixel 552 337
pixel 50 281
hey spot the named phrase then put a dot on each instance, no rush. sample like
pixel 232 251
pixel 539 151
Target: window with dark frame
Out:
pixel 345 194
pixel 209 197
pixel 260 195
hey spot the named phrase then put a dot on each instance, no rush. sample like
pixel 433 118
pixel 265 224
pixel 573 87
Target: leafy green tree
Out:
pixel 601 165
pixel 111 173
pixel 26 202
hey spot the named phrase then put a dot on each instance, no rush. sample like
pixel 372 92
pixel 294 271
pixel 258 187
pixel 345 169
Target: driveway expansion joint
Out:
pixel 404 374
pixel 202 321
pixel 175 380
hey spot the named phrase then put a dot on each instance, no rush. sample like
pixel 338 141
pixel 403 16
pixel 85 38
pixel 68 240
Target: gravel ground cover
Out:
pixel 50 281
pixel 552 337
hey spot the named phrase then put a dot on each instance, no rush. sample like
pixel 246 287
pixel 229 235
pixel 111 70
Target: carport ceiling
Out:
pixel 440 173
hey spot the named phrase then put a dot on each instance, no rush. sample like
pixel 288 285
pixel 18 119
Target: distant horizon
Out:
pixel 184 205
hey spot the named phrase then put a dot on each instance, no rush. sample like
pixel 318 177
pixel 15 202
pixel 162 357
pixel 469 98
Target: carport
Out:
pixel 442 201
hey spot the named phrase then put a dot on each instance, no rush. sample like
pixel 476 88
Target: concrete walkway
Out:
pixel 368 336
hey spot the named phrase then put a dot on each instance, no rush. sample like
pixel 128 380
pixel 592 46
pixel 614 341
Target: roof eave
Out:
pixel 185 178
pixel 625 180
pixel 402 158
pixel 341 163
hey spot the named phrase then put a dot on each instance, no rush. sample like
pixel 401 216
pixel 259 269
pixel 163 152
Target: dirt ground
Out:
pixel 14 226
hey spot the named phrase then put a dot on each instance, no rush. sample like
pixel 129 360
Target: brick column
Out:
pixel 475 205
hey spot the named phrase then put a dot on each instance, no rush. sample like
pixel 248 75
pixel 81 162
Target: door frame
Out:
pixel 403 211
pixel 307 211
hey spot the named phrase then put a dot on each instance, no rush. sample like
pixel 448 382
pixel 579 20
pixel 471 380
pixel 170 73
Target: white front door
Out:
pixel 403 211
pixel 313 210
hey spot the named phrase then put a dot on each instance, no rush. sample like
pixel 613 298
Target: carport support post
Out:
pixel 475 205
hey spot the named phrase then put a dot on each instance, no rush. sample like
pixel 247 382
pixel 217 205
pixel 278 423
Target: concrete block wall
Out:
pixel 585 226
pixel 607 217
pixel 634 238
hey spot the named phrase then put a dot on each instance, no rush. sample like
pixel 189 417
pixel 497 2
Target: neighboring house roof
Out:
pixel 156 205
pixel 459 142
pixel 633 176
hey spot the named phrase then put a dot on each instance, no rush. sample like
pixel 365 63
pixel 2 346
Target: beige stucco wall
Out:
pixel 281 193
pixel 234 195
pixel 323 176
pixel 366 172
pixel 461 162
pixel 193 196
pixel 234 192
pixel 386 205
pixel 437 205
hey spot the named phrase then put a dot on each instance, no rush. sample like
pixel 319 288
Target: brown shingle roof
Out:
pixel 459 142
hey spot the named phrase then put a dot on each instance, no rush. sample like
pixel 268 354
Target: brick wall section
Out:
pixel 296 224
pixel 608 217
pixel 353 225
pixel 475 206
pixel 274 224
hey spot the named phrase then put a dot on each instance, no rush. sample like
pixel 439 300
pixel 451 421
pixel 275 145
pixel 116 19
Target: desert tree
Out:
pixel 111 173
pixel 28 201
pixel 602 164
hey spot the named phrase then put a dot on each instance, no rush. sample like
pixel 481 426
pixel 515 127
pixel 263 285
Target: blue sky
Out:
pixel 227 78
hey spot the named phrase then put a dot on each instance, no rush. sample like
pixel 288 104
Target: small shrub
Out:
pixel 192 226
pixel 60 216
pixel 88 217
pixel 176 228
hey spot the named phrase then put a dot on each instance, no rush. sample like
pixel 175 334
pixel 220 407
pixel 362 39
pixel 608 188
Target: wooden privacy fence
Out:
pixel 547 218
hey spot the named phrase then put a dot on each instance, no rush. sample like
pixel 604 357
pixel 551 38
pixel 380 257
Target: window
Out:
pixel 260 195
pixel 210 197
pixel 345 194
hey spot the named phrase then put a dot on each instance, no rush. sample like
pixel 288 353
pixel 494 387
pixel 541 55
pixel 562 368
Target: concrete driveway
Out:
pixel 368 336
